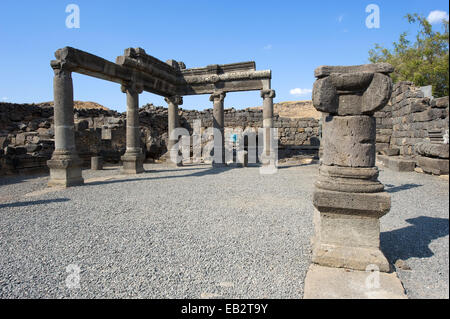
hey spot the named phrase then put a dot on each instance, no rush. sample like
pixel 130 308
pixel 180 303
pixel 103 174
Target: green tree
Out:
pixel 424 62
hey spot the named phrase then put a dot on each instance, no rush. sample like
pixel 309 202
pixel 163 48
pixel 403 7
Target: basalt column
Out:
pixel 218 125
pixel 65 165
pixel 268 96
pixel 133 158
pixel 173 123
pixel 348 197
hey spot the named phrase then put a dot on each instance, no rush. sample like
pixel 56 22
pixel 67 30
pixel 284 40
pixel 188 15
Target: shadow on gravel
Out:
pixel 413 241
pixel 297 165
pixel 204 172
pixel 393 189
pixel 35 202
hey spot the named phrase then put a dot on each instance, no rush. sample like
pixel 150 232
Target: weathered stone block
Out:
pixel 349 141
pixel 435 166
pixel 397 163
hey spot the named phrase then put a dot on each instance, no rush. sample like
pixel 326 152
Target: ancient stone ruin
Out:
pixel 137 71
pixel 348 198
pixel 411 131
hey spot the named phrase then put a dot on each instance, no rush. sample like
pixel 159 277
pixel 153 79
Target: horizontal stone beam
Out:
pixel 228 82
pixel 161 78
pixel 220 68
pixel 88 64
pixel 85 63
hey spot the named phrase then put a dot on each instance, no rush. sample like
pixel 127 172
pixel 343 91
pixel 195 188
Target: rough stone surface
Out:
pixel 433 150
pixel 410 120
pixel 349 141
pixel 435 166
pixel 397 163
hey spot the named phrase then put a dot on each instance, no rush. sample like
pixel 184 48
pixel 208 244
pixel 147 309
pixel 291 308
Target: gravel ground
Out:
pixel 197 232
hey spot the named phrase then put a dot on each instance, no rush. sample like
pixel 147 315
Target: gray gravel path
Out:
pixel 197 232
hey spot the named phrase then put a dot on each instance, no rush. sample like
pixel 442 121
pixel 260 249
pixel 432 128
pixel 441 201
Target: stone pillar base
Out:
pixel 65 170
pixel 132 163
pixel 96 163
pixel 347 229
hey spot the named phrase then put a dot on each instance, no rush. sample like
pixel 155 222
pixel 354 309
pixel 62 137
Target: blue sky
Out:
pixel 291 38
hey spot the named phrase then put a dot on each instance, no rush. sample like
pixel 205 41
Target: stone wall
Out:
pixel 27 133
pixel 409 120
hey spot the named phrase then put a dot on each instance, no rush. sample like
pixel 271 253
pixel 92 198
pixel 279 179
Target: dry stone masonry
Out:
pixel 348 197
pixel 27 133
pixel 411 130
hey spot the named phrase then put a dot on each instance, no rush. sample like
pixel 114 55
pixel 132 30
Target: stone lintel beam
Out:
pixel 232 78
pixel 92 65
pixel 221 68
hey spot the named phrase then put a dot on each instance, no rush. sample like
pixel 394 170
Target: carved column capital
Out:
pixel 217 96
pixel 268 94
pixel 132 88
pixel 352 90
pixel 60 67
pixel 175 99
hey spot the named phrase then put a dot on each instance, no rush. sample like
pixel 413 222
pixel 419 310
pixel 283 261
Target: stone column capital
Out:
pixel 217 96
pixel 268 94
pixel 175 99
pixel 352 90
pixel 132 88
pixel 61 67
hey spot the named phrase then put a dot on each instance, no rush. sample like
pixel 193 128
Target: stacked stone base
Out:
pixel 347 229
pixel 65 170
pixel 132 164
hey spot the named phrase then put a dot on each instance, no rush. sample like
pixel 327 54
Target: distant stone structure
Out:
pixel 27 133
pixel 137 71
pixel 348 197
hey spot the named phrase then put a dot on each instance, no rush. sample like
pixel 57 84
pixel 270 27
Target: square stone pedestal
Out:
pixel 65 171
pixel 347 229
pixel 132 164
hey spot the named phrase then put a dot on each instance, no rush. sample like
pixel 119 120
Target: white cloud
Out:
pixel 437 16
pixel 299 91
pixel 5 98
pixel 340 18
pixel 268 47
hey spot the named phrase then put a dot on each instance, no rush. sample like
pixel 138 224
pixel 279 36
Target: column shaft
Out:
pixel 173 123
pixel 65 165
pixel 218 125
pixel 268 96
pixel 133 158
